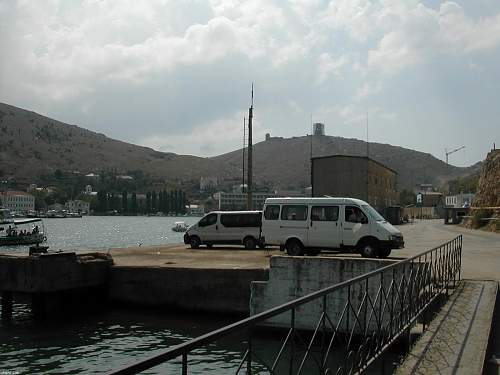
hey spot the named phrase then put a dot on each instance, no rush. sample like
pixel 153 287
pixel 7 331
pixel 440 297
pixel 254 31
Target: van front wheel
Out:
pixel 384 253
pixel 249 243
pixel 369 249
pixel 195 242
pixel 294 248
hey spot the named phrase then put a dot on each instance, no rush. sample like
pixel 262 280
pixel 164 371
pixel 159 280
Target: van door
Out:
pixel 355 225
pixel 294 222
pixel 271 224
pixel 324 227
pixel 208 228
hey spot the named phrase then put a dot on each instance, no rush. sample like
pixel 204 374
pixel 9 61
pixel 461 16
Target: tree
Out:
pixel 148 202
pixel 134 203
pixel 154 203
pixel 407 198
pixel 124 202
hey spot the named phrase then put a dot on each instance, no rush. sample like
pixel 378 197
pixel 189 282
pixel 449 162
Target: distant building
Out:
pixel 208 183
pixel 92 175
pixel 459 200
pixel 57 207
pixel 18 201
pixel 318 128
pixel 124 177
pixel 196 209
pixel 238 201
pixel 88 189
pixel 78 206
pixel 355 177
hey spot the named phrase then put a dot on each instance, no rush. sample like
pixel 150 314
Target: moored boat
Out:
pixel 12 232
pixel 180 226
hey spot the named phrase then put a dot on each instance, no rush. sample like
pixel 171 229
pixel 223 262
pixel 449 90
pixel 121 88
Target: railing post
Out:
pixel 249 357
pixel 323 337
pixel 460 258
pixel 184 364
pixel 292 343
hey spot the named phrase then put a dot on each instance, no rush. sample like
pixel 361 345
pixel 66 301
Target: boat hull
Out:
pixel 22 240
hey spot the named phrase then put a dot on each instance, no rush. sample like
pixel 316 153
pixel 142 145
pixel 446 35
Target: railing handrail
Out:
pixel 177 350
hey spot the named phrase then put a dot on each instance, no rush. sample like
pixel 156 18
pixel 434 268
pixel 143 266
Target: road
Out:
pixel 480 256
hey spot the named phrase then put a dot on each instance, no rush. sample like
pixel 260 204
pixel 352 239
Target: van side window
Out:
pixel 241 220
pixel 325 213
pixel 354 214
pixel 208 220
pixel 294 212
pixel 272 212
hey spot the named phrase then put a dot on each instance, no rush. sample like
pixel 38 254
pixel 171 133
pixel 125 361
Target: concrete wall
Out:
pixel 52 272
pixel 339 177
pixel 293 277
pixel 354 177
pixel 215 290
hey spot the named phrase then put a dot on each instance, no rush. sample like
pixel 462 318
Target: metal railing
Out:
pixel 357 320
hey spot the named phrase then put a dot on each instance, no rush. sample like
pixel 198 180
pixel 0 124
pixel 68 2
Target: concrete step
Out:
pixel 456 340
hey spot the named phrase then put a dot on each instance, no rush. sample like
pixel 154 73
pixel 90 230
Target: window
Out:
pixel 324 213
pixel 210 219
pixel 241 220
pixel 272 212
pixel 354 214
pixel 294 212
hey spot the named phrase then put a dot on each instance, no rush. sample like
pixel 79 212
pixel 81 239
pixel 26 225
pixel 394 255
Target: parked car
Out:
pixel 226 227
pixel 309 225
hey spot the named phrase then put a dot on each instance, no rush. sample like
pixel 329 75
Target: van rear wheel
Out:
pixel 294 248
pixel 250 243
pixel 369 249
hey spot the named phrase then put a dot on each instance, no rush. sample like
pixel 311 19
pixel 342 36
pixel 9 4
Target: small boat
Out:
pixel 12 232
pixel 180 226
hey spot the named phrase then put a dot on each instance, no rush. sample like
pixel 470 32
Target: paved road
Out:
pixel 480 252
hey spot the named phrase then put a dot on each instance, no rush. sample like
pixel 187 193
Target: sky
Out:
pixel 176 75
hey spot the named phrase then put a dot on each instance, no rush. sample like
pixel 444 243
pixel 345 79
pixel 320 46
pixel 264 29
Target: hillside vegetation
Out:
pixel 32 145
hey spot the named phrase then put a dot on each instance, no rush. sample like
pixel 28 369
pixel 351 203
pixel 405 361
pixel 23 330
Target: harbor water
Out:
pixel 109 337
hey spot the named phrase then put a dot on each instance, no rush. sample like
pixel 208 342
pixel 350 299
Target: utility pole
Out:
pixel 249 178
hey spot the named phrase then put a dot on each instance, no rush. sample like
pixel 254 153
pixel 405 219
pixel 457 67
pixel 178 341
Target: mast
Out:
pixel 243 160
pixel 249 165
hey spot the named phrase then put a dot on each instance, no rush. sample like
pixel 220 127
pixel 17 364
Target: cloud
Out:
pixel 421 33
pixel 327 66
pixel 208 139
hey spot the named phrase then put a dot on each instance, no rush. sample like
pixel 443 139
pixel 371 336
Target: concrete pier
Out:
pixel 53 281
pixel 294 277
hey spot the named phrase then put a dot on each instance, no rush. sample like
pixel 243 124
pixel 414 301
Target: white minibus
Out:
pixel 226 227
pixel 309 225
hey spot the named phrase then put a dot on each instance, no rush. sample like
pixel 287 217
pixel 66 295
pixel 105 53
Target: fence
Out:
pixel 348 341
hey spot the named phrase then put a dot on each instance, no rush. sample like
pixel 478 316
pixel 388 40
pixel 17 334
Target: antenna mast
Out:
pixel 243 160
pixel 249 179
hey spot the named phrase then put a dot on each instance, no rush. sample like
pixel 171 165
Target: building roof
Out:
pixel 13 192
pixel 355 157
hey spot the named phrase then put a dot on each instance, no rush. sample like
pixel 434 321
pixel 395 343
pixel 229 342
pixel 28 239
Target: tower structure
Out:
pixel 250 151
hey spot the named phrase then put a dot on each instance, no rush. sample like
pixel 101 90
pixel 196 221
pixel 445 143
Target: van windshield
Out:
pixel 372 213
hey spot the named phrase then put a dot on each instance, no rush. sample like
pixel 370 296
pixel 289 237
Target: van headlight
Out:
pixel 395 237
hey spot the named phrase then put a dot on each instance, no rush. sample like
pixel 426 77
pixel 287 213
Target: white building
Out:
pixel 78 206
pixel 238 201
pixel 459 200
pixel 18 201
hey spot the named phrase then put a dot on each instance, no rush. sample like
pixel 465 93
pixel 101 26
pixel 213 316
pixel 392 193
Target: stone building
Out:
pixel 18 201
pixel 355 177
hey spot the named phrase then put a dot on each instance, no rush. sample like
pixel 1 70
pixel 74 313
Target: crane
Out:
pixel 451 152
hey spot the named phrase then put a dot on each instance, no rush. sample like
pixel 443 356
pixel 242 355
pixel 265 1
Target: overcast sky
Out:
pixel 176 75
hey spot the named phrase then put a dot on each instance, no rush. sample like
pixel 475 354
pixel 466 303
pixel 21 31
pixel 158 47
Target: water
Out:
pixel 105 232
pixel 97 341
pixel 110 339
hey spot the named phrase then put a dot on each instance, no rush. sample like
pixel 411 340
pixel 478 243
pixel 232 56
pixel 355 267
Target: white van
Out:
pixel 308 225
pixel 226 227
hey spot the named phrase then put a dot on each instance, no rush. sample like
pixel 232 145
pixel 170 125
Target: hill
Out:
pixel 32 145
pixel 286 160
